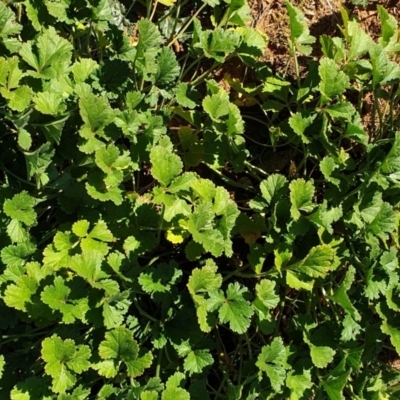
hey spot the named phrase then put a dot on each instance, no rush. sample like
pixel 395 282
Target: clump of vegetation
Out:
pixel 159 239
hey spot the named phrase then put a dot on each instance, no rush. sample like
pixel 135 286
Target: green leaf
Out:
pixel 186 96
pixel 334 386
pixel 271 360
pixel 219 43
pixel 298 384
pixel 165 165
pixel 80 228
pixel 38 162
pixel 95 112
pixel 390 324
pixel 317 263
pixel 360 42
pixel 341 297
pixel 119 345
pixel 321 356
pixel 160 279
pixel 300 37
pixel 389 30
pixel 63 359
pixel 19 99
pixel 168 68
pixel 20 207
pixel 88 266
pixel 301 197
pixel 342 110
pixel 49 103
pixel 197 360
pixel 384 221
pixel 265 290
pixel 16 232
pixel 200 283
pixel 24 139
pixel 49 56
pixel 333 81
pixel 216 106
pixel 384 71
pixel 56 297
pixel 19 295
pixel 83 68
pixel 253 41
pixel 273 187
pixel 328 166
pixel 2 364
pixel 233 308
pixel 299 122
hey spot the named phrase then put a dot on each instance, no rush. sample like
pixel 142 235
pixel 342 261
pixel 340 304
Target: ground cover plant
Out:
pixel 171 231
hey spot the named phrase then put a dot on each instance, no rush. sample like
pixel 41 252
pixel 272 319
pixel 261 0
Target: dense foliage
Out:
pixel 161 239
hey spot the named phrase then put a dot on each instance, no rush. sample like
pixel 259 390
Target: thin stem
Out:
pixel 183 30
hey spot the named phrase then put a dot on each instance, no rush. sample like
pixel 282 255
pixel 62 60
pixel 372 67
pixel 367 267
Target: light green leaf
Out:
pixel 265 290
pixel 233 308
pixel 384 221
pixel 19 295
pixel 24 139
pixel 253 41
pixel 200 283
pixel 56 297
pixel 8 25
pixel 298 384
pixel 21 208
pixel 342 110
pixel 80 228
pixel 19 99
pixel 360 42
pixel 165 165
pixel 197 360
pixel 321 356
pixel 334 386
pixel 216 106
pixel 95 112
pixel 271 361
pixel 389 30
pixel 327 167
pixel 83 68
pixel 149 37
pixel 63 359
pixel 16 232
pixel 274 186
pixel 161 278
pixel 301 197
pixel 341 297
pixel 119 345
pixel 299 122
pixel 49 103
pixel 333 81
pixel 219 43
pixel 384 71
pixel 88 266
pixel 168 68
pixel 2 364
pixel 297 281
pixel 116 306
pixel 38 162
pixel 317 263
pixel 49 56
pixel 186 96
pixel 300 36
pixel 10 73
